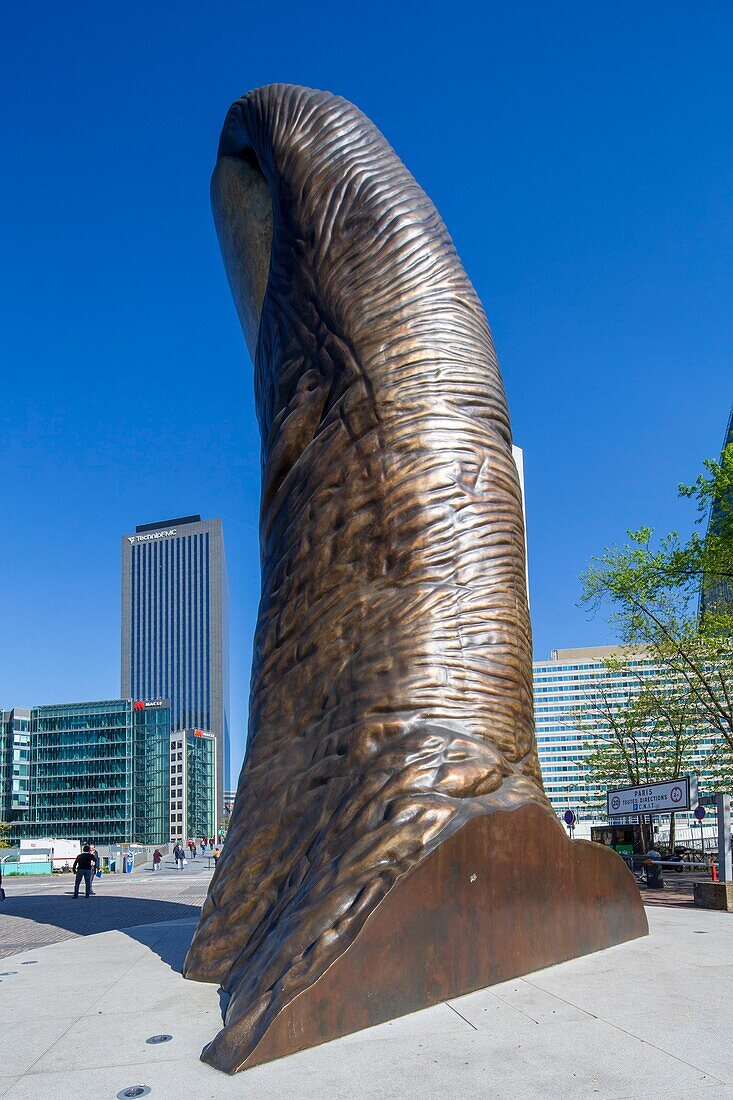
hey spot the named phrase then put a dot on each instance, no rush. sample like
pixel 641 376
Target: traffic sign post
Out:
pixel 699 813
pixel 570 818
pixel 725 857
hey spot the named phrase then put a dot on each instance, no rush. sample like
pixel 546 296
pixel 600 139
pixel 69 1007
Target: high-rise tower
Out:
pixel 175 626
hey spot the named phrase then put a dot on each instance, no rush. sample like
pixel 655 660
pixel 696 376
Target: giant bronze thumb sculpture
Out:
pixel 391 844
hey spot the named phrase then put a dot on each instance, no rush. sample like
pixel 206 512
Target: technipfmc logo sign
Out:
pixel 132 539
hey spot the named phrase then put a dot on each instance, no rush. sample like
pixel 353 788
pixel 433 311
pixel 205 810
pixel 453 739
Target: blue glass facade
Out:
pixel 15 767
pixel 99 772
pixel 175 642
pixel 170 637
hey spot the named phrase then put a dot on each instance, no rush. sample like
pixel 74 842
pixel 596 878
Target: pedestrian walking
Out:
pixel 190 848
pixel 179 855
pixel 157 858
pixel 82 868
pixel 217 853
pixel 97 868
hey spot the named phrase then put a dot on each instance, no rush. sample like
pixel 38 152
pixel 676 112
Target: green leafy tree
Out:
pixel 645 733
pixel 674 598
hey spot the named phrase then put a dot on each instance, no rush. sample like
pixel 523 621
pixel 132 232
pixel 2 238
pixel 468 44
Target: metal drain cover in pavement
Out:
pixel 29 962
pixel 133 1090
pixel 159 1039
pixel 7 973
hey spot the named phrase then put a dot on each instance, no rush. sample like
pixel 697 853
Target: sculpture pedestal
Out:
pixel 507 894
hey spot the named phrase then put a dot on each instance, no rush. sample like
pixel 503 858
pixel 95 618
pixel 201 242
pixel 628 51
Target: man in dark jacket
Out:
pixel 82 868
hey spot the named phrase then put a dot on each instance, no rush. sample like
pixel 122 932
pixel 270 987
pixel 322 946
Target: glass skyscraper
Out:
pixel 175 628
pixel 99 771
pixel 15 739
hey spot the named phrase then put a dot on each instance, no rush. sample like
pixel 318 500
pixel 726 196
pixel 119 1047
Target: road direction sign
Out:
pixel 653 798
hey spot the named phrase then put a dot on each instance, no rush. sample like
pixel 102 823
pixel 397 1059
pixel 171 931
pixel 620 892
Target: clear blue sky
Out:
pixel 580 155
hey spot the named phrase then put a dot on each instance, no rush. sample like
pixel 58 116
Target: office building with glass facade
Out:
pixel 175 629
pixel 567 688
pixel 193 812
pixel 99 771
pixel 15 739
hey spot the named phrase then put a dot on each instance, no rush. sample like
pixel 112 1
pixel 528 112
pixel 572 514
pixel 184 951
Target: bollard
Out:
pixel 713 872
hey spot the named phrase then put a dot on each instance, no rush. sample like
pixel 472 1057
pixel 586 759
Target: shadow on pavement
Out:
pixel 87 916
pixel 169 944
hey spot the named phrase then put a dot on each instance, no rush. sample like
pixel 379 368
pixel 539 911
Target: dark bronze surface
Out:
pixel 507 894
pixel 391 699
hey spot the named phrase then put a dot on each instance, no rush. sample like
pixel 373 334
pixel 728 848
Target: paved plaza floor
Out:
pixel 41 910
pixel 649 1019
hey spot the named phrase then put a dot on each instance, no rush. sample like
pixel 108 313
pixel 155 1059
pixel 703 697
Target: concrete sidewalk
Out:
pixel 649 1019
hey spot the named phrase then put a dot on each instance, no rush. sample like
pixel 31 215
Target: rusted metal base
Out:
pixel 507 894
